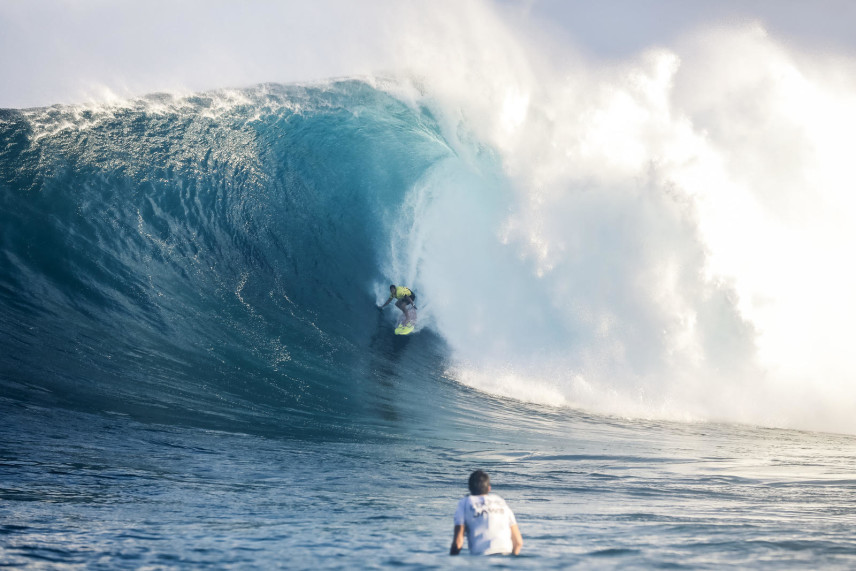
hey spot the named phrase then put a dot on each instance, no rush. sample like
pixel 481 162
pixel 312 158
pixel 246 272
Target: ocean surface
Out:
pixel 194 371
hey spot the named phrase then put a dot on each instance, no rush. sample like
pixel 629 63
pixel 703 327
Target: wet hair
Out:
pixel 391 286
pixel 479 483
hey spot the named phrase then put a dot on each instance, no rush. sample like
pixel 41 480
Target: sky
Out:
pixel 66 51
pixel 617 28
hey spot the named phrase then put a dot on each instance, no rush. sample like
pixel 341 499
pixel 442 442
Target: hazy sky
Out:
pixel 69 50
pixel 619 27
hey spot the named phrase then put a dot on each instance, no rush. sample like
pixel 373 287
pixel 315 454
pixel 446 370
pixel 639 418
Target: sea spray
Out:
pixel 646 237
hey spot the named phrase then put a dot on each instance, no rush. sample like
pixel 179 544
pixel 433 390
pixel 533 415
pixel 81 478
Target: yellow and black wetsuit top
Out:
pixel 401 292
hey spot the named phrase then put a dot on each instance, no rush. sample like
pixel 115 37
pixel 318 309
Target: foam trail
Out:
pixel 671 233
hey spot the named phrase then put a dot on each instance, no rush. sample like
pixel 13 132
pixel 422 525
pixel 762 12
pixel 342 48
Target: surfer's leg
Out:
pixel 400 304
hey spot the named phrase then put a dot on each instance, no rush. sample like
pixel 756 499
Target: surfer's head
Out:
pixel 479 483
pixel 392 288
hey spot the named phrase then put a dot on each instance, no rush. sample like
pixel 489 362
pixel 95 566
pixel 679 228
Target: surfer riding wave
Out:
pixel 405 302
pixel 404 297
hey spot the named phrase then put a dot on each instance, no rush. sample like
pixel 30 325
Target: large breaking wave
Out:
pixel 642 239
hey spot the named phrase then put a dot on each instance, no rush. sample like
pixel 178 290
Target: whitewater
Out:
pixel 634 292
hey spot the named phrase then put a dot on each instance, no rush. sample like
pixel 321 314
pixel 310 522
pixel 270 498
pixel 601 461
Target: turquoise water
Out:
pixel 194 372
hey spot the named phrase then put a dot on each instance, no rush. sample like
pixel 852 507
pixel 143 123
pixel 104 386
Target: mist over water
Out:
pixel 668 233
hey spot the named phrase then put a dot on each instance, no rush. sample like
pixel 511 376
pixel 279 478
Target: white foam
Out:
pixel 673 236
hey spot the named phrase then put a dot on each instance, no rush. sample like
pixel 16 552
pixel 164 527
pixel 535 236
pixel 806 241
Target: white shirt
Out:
pixel 488 521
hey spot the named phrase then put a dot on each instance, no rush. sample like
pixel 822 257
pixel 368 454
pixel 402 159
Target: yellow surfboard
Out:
pixel 404 329
pixel 407 323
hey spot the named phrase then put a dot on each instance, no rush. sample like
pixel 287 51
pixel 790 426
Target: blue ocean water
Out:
pixel 194 371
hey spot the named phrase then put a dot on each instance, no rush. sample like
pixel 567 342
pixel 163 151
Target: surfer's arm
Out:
pixel 457 540
pixel 516 540
pixel 387 302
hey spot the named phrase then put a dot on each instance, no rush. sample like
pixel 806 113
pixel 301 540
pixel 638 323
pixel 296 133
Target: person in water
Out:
pixel 488 521
pixel 403 297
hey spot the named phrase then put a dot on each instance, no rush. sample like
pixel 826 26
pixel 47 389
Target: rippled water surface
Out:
pixel 104 491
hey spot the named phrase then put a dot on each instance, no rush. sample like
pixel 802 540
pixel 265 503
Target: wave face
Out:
pixel 209 258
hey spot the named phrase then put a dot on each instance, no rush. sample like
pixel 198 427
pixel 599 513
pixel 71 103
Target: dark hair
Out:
pixel 391 286
pixel 479 483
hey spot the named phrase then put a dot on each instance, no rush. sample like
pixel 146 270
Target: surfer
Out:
pixel 403 297
pixel 490 524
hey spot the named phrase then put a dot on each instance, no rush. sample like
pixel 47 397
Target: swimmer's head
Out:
pixel 479 483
